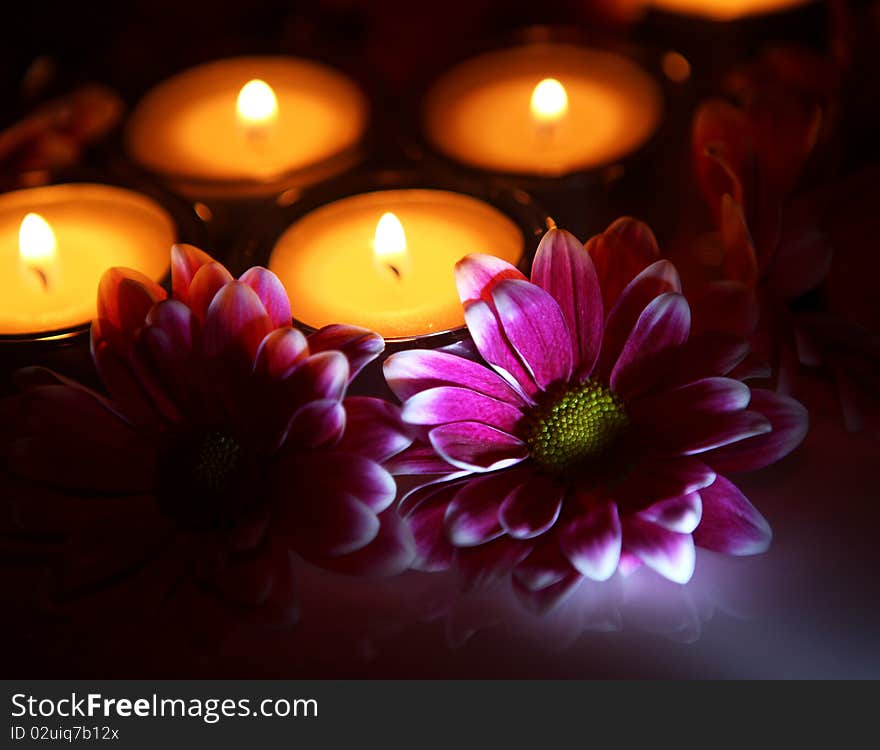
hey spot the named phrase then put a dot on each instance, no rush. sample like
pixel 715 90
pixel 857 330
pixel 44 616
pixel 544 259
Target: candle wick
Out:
pixel 41 274
pixel 395 270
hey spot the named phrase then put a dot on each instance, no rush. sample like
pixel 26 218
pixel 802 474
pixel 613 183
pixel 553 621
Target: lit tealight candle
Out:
pixel 248 126
pixel 385 260
pixel 57 241
pixel 725 10
pixel 543 109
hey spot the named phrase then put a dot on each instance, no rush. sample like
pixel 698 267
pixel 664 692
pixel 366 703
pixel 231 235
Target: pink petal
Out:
pixel 699 433
pixel 472 515
pixel 545 566
pixel 449 404
pixel 373 428
pixel 471 519
pixel 591 540
pixel 186 260
pixel 124 299
pixel 208 280
pixel 279 352
pixel 620 253
pixel 389 554
pixel 317 424
pixel 494 347
pixel 662 479
pixel 660 331
pixel 705 355
pixel 318 376
pixel 535 327
pixel 730 523
pixel 477 447
pixel 658 278
pixel 306 477
pixel 531 508
pixel 564 268
pixel 271 292
pixel 359 345
pixel 153 374
pixel 419 460
pixel 477 274
pixel 334 524
pixel 709 395
pixel 423 493
pixel 268 413
pixel 169 348
pixel 681 514
pixel 789 421
pixel 544 600
pixel 410 372
pixel 176 320
pixel 669 553
pixel 128 394
pixel 236 322
pixel 433 549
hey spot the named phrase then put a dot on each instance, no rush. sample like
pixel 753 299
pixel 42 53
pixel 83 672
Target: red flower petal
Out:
pixel 477 274
pixel 658 334
pixel 271 292
pixel 564 268
pixel 619 254
pixel 186 260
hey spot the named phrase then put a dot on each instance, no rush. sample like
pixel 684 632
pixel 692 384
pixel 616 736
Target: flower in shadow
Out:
pixel 225 446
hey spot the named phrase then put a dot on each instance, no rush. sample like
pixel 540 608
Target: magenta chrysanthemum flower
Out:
pixel 594 438
pixel 227 442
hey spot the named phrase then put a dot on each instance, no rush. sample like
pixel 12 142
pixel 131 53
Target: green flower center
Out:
pixel 216 461
pixel 575 428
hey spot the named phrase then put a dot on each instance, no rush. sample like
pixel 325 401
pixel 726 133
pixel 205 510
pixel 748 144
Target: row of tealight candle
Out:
pixel 254 126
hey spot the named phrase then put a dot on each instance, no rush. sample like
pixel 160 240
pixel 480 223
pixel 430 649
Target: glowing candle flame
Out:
pixel 389 244
pixel 37 246
pixel 257 105
pixel 549 101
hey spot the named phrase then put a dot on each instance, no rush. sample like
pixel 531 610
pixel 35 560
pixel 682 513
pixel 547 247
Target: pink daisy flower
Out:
pixel 592 436
pixel 227 443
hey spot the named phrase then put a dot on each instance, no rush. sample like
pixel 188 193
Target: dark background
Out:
pixel 808 608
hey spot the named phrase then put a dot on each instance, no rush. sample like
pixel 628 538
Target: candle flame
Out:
pixel 257 103
pixel 36 241
pixel 37 246
pixel 549 101
pixel 389 244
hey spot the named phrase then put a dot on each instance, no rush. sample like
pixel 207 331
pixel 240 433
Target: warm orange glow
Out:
pixel 36 242
pixel 676 66
pixel 549 101
pixel 389 244
pixel 257 104
pixel 726 10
